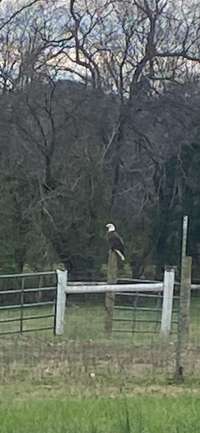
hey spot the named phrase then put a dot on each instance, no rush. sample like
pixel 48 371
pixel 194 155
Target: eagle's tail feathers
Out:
pixel 120 255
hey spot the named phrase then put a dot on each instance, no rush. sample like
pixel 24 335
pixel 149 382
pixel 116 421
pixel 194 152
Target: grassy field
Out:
pixel 85 319
pixel 51 411
pixel 84 348
pixel 85 382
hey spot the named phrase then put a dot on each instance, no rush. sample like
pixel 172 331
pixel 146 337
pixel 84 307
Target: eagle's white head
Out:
pixel 110 227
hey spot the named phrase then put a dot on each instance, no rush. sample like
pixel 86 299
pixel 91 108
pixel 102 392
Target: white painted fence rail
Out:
pixel 103 288
pixel 195 286
pixel 141 283
pixel 167 287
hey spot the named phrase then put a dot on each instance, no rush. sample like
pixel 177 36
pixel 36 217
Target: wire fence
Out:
pixel 23 301
pixel 141 313
pixel 133 352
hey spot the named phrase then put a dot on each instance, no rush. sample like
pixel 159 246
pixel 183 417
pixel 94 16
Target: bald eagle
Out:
pixel 115 241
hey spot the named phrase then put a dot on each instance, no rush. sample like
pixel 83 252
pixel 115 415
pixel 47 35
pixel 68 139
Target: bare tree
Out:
pixel 127 54
pixel 132 49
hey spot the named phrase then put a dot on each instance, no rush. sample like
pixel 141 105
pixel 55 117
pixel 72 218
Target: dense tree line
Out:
pixel 99 122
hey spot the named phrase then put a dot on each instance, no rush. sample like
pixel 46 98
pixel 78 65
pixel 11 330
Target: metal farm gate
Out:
pixel 141 313
pixel 27 302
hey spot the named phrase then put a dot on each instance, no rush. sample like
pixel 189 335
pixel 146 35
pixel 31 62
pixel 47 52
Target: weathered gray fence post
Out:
pixel 110 296
pixel 168 291
pixel 185 296
pixel 60 301
pixel 184 315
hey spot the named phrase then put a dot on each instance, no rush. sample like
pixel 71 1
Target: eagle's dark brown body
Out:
pixel 115 241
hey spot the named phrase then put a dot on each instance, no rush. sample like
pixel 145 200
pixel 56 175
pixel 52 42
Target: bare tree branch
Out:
pixel 18 12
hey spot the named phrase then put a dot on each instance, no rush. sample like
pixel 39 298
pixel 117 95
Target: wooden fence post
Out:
pixel 60 302
pixel 185 296
pixel 110 296
pixel 184 315
pixel 168 290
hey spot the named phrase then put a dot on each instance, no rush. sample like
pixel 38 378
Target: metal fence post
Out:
pixel 184 238
pixel 60 302
pixel 168 290
pixel 22 306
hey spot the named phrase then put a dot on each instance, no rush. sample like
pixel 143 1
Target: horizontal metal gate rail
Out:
pixel 30 274
pixel 134 308
pixel 22 306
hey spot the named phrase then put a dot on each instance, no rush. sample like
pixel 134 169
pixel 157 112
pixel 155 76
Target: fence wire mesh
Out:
pixel 85 350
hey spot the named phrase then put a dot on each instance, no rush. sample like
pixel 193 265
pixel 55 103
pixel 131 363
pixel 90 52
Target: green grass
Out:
pixel 138 414
pixel 84 348
pixel 46 384
pixel 88 322
pixel 85 321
